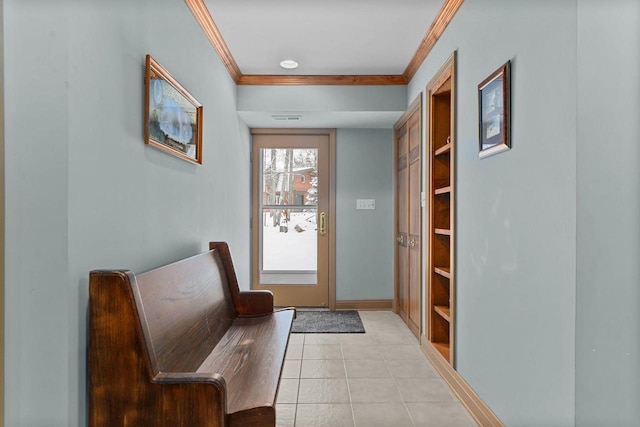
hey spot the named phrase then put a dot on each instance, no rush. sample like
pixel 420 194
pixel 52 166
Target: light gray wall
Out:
pixel 38 291
pixel 323 106
pixel 364 169
pixel 516 212
pixel 364 238
pixel 83 191
pixel 321 98
pixel 608 221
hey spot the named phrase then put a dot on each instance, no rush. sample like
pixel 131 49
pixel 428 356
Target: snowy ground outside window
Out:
pixel 294 250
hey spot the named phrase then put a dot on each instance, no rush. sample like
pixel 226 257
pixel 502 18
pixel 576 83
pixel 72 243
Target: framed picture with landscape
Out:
pixel 172 117
pixel 494 111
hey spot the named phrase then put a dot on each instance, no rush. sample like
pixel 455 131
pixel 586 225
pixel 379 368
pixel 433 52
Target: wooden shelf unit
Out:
pixel 445 149
pixel 442 231
pixel 441 273
pixel 444 311
pixel 443 190
pixel 443 349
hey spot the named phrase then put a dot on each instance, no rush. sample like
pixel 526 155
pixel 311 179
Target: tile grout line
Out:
pixel 395 381
pixel 386 328
pixel 346 379
pixel 295 412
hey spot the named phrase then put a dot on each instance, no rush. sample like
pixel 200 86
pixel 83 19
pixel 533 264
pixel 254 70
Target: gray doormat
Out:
pixel 327 322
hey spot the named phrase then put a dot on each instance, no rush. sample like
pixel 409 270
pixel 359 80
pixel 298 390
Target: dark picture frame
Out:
pixel 494 108
pixel 172 116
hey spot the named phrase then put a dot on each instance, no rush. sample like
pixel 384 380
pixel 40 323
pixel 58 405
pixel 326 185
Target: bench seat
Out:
pixel 180 345
pixel 244 357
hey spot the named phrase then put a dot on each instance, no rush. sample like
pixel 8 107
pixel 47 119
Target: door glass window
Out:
pixel 289 215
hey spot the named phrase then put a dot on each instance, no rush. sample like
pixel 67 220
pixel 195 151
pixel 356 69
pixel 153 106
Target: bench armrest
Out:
pixel 189 399
pixel 216 380
pixel 255 303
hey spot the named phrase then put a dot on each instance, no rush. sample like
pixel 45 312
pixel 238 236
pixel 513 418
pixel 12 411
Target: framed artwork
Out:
pixel 172 117
pixel 494 110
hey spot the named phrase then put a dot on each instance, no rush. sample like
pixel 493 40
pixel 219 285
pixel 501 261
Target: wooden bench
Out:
pixel 182 346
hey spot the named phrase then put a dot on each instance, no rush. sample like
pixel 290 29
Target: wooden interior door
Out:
pixel 407 136
pixel 402 223
pixel 414 208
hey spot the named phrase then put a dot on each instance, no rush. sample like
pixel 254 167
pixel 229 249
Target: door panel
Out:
pixel 290 218
pixel 402 177
pixel 408 217
pixel 415 177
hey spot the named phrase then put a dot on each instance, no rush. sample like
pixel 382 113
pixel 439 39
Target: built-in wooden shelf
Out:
pixel 443 190
pixel 442 231
pixel 445 149
pixel 440 299
pixel 443 311
pixel 443 349
pixel 443 271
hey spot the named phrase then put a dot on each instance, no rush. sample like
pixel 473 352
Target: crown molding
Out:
pixel 205 20
pixel 446 14
pixel 202 15
pixel 345 80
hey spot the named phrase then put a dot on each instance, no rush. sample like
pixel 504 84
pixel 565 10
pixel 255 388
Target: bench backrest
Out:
pixel 185 308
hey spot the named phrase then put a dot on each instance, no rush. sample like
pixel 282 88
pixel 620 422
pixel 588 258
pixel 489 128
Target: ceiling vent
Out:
pixel 286 117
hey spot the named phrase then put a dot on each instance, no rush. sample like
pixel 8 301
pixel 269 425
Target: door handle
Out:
pixel 400 239
pixel 323 223
pixel 413 243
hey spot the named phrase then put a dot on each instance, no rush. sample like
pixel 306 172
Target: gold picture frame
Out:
pixel 172 116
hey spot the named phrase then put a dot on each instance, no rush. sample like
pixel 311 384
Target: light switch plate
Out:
pixel 366 204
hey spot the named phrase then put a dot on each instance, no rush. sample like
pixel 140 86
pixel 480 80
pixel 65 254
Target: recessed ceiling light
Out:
pixel 289 64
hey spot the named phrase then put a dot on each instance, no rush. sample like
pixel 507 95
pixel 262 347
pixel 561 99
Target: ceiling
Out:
pixel 336 42
pixel 328 37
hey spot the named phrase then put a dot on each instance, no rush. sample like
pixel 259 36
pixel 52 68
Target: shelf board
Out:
pixel 443 349
pixel 442 231
pixel 445 149
pixel 443 190
pixel 443 271
pixel 444 311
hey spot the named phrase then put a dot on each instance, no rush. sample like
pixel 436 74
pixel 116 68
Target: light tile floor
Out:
pixel 379 378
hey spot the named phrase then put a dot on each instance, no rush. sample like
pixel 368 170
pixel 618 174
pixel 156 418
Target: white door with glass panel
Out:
pixel 290 217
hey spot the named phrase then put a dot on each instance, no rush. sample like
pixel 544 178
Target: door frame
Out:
pixel 331 233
